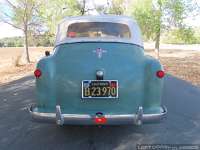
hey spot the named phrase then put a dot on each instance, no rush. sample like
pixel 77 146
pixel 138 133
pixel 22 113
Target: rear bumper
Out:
pixel 85 119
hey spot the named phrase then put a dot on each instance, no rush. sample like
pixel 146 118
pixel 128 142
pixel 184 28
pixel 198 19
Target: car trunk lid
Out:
pixel 80 61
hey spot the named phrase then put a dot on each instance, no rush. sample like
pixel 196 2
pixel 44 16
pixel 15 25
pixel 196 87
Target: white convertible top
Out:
pixel 130 22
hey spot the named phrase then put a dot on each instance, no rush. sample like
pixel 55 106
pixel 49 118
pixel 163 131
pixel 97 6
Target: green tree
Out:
pixel 23 15
pixel 2 44
pixel 55 10
pixel 117 7
pixel 154 16
pixel 183 35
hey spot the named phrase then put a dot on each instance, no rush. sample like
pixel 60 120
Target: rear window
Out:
pixel 98 29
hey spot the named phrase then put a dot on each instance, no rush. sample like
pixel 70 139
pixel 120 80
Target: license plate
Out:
pixel 99 89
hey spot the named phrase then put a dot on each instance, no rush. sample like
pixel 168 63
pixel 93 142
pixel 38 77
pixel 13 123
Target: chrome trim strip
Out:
pixel 84 119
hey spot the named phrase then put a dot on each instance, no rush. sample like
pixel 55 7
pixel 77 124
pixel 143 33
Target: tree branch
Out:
pixel 11 4
pixel 12 24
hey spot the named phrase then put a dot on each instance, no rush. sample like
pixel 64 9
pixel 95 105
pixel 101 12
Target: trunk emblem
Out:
pixel 99 52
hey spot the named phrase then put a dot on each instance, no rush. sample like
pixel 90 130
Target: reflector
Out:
pixel 100 120
pixel 160 74
pixel 37 73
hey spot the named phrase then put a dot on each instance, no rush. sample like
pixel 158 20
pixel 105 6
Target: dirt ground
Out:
pixel 184 64
pixel 8 56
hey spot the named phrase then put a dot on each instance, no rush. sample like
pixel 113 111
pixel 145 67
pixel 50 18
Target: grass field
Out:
pixel 184 64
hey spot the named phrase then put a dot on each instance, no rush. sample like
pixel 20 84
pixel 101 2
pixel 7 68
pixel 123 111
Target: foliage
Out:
pixel 12 42
pixel 23 15
pixel 55 10
pixel 45 40
pixel 159 16
pixel 145 16
pixel 117 7
pixel 184 35
pixel 151 15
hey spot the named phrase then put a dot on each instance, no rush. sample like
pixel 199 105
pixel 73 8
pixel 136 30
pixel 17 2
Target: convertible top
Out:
pixel 61 37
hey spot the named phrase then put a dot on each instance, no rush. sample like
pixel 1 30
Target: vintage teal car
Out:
pixel 98 75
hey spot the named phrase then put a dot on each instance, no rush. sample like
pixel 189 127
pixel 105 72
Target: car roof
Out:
pixel 130 22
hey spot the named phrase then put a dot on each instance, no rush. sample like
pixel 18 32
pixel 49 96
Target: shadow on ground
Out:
pixel 18 132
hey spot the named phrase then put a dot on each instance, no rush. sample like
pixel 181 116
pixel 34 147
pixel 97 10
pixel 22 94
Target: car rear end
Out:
pixel 92 82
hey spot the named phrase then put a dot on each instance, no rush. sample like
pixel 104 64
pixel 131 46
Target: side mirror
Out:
pixel 47 53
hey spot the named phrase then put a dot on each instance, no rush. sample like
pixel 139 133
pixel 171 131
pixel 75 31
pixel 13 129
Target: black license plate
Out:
pixel 100 89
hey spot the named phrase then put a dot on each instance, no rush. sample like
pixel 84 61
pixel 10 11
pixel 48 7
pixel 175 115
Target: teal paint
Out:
pixel 63 72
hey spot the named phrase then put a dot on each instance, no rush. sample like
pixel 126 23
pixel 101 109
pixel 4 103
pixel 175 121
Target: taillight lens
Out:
pixel 37 73
pixel 160 73
pixel 100 120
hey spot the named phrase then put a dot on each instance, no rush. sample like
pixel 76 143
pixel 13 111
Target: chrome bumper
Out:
pixel 85 119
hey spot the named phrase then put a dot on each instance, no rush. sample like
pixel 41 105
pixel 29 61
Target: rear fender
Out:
pixel 45 85
pixel 153 86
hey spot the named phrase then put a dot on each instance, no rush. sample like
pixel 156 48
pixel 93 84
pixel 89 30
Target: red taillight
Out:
pixel 37 73
pixel 160 74
pixel 100 120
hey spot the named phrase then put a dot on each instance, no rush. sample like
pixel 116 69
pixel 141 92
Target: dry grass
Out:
pixel 9 71
pixel 14 73
pixel 182 64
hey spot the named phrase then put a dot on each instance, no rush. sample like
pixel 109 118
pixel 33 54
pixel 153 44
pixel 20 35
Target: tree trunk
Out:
pixel 83 8
pixel 27 58
pixel 157 44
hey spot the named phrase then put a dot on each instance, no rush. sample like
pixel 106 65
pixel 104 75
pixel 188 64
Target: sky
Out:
pixel 9 31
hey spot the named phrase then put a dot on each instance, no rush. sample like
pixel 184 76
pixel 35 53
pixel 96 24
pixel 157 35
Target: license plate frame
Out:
pixel 98 82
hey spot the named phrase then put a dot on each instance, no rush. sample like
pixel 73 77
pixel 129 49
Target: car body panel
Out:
pixel 123 62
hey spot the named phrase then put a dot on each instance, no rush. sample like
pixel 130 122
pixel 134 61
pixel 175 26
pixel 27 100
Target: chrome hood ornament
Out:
pixel 99 52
